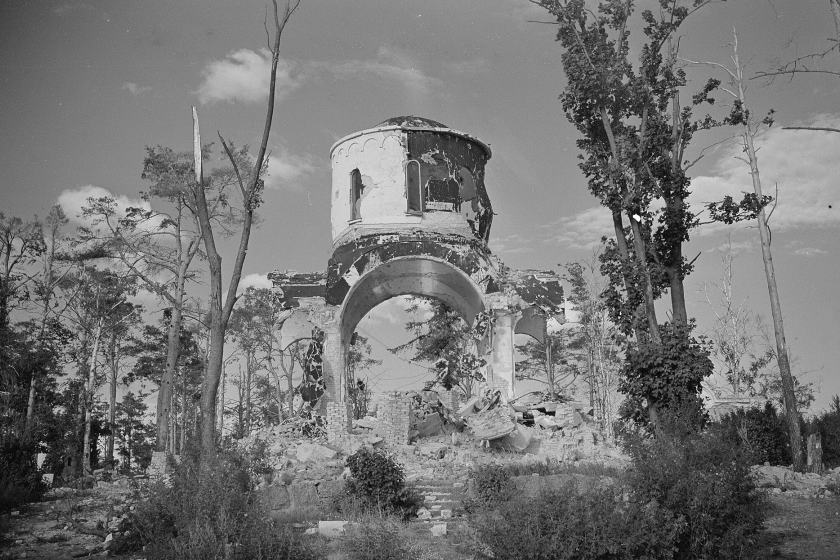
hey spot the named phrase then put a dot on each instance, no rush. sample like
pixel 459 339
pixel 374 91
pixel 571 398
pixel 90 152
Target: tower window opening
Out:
pixel 413 187
pixel 356 190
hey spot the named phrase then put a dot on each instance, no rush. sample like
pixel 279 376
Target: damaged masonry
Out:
pixel 411 216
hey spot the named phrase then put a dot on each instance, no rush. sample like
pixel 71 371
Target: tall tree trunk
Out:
pixel 788 390
pixel 835 10
pixel 89 394
pixel 220 312
pixel 183 410
pixel 112 401
pixel 173 347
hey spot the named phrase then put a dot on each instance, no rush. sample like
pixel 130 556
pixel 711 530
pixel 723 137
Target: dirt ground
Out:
pixel 798 528
pixel 801 528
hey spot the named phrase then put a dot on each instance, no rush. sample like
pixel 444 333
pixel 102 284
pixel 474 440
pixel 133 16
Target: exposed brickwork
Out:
pixel 394 417
pixel 449 399
pixel 338 420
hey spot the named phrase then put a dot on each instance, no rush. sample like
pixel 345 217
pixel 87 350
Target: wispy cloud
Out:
pixel 512 244
pixel 244 76
pixel 287 169
pixel 390 64
pixel 582 231
pixel 809 252
pixel 134 89
pixel 805 166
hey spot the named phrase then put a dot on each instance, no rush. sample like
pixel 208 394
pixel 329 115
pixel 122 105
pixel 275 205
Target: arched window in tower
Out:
pixel 413 187
pixel 356 189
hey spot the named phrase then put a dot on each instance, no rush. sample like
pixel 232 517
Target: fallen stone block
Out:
pixel 439 530
pixel 331 529
pixel 313 452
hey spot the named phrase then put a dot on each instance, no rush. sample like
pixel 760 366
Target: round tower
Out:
pixel 409 174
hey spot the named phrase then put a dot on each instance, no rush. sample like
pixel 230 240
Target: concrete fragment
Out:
pixel 313 452
pixel 517 440
pixel 331 529
pixel 439 530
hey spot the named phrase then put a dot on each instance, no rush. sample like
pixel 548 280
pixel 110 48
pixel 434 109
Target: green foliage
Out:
pixel 569 525
pixel 705 481
pixel 491 485
pixel 760 433
pixel 827 425
pixel 667 375
pixel 377 539
pixel 20 478
pixel 378 483
pixel 209 512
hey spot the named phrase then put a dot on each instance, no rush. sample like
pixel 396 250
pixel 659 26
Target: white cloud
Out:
pixel 809 252
pixel 584 230
pixel 512 244
pixel 390 64
pixel 805 166
pixel 256 280
pixel 135 89
pixel 244 76
pixel 73 200
pixel 285 169
pixel 393 313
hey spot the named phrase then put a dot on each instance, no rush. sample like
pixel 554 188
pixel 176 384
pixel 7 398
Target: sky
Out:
pixel 85 86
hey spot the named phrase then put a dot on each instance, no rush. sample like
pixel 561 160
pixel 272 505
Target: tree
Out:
pixel 635 135
pixel 248 177
pixel 20 245
pixel 601 341
pixel 45 290
pixel 156 247
pixel 749 125
pixel 135 435
pixel 448 342
pixel 560 349
pixel 358 360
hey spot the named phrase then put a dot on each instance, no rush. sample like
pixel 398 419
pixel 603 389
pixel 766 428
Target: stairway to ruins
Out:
pixel 441 498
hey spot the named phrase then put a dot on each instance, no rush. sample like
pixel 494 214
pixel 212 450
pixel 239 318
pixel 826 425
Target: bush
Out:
pixel 491 485
pixel 705 481
pixel 207 514
pixel 565 524
pixel 378 539
pixel 760 433
pixel 827 425
pixel 378 483
pixel 20 478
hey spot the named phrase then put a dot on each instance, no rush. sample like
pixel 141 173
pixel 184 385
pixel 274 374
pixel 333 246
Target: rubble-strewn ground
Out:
pixel 804 522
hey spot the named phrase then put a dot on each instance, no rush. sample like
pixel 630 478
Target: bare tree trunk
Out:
pixel 112 401
pixel 788 392
pixel 835 10
pixel 219 312
pixel 183 409
pixel 89 391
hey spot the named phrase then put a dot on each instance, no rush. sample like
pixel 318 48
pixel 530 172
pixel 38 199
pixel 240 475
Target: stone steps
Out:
pixel 441 498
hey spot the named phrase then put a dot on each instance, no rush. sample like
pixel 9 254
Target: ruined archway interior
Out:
pixel 411 215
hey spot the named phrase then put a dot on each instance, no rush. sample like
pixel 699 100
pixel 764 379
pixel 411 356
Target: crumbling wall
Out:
pixel 395 417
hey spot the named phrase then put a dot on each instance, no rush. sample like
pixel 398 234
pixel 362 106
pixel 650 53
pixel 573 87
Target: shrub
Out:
pixel 827 425
pixel 702 479
pixel 565 524
pixel 20 478
pixel 378 539
pixel 760 433
pixel 209 513
pixel 491 485
pixel 378 483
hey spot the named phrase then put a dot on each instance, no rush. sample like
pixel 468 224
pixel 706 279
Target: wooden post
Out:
pixel 815 464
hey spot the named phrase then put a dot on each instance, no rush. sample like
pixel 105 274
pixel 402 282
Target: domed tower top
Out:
pixel 409 174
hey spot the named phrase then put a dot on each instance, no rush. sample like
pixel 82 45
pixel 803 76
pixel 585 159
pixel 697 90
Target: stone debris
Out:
pixel 331 529
pixel 778 480
pixel 439 530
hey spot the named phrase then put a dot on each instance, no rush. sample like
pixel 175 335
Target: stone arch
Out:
pixel 421 275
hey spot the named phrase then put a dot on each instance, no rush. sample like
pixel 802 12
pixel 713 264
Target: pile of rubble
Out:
pixel 785 481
